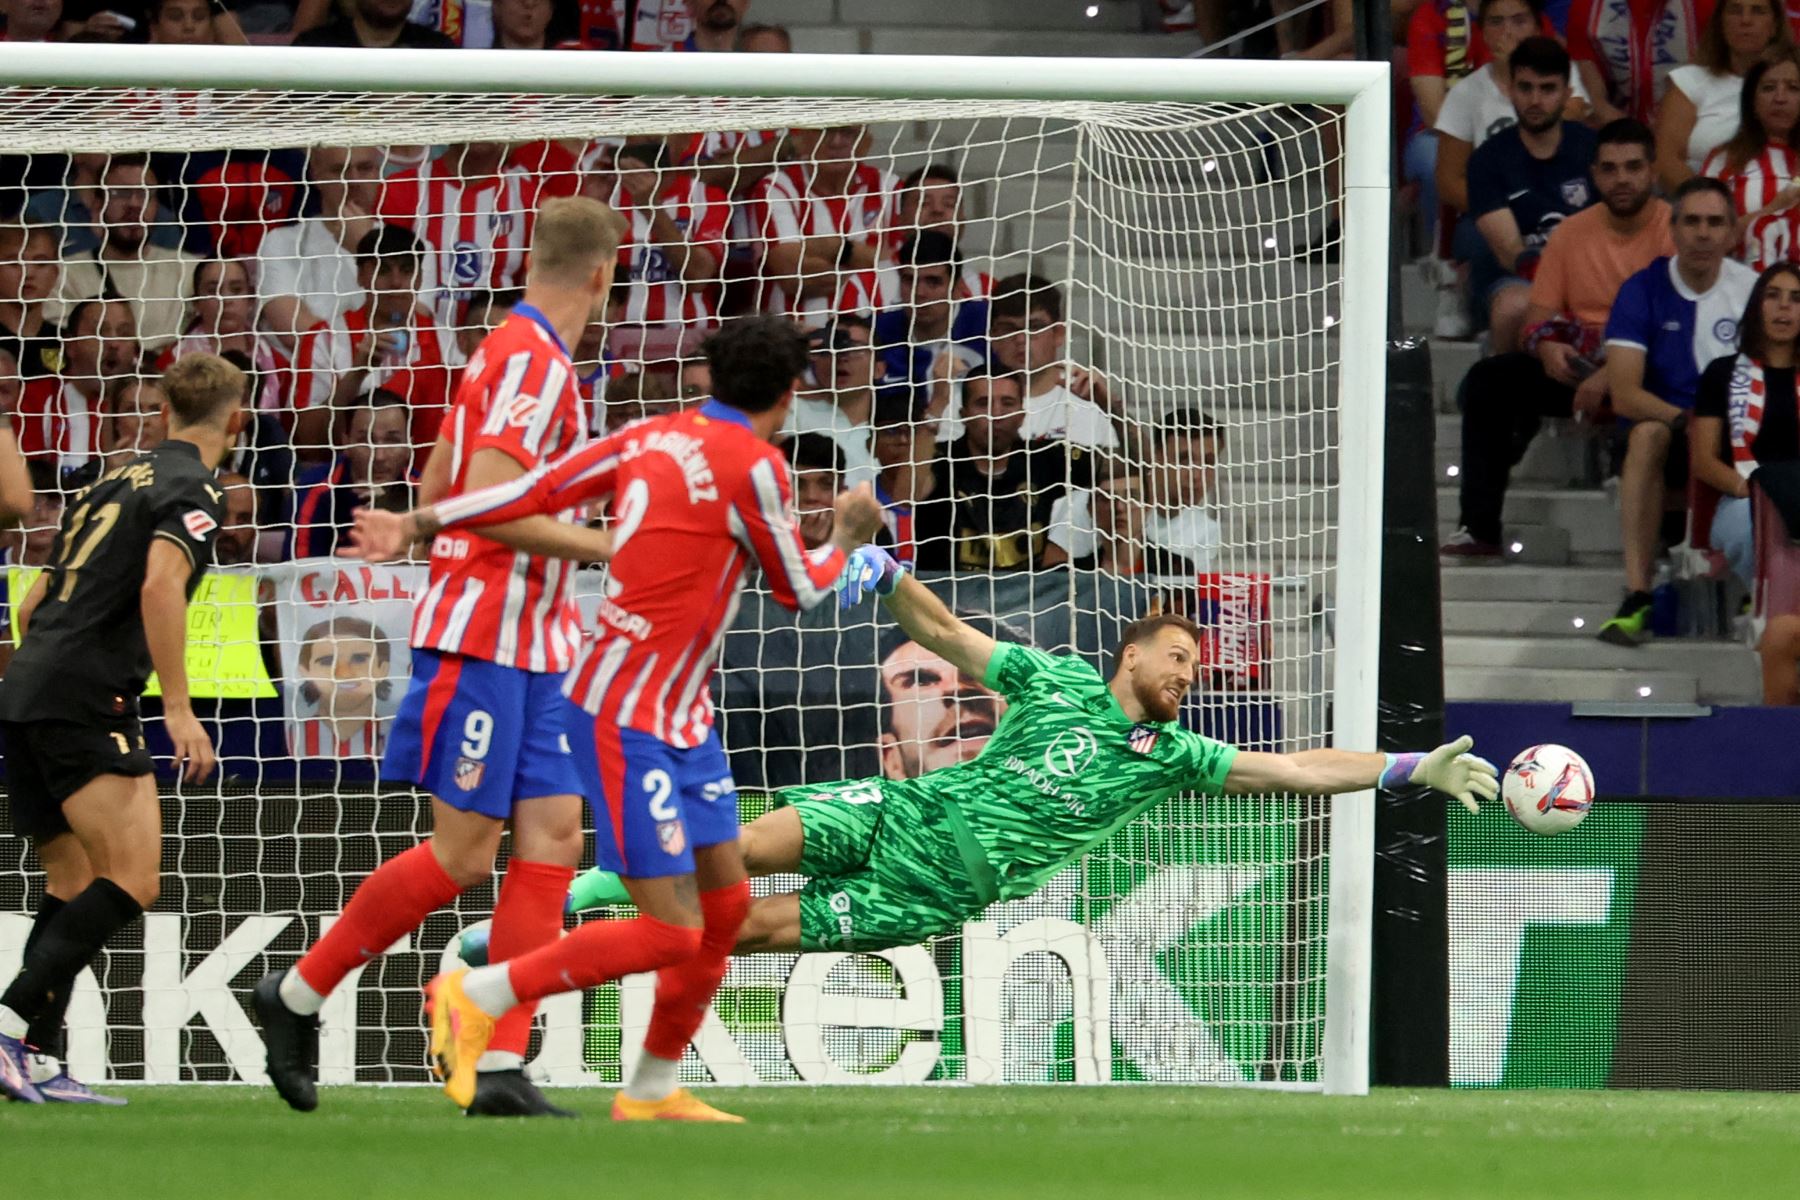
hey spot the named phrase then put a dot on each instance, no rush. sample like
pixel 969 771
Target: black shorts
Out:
pixel 49 761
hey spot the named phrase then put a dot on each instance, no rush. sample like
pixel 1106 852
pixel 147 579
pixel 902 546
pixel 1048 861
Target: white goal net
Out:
pixel 1101 357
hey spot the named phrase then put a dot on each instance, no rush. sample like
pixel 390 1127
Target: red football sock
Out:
pixel 400 894
pixel 600 951
pixel 684 990
pixel 529 914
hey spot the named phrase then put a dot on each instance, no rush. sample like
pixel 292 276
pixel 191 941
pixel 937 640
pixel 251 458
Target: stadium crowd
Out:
pixel 1611 196
pixel 353 283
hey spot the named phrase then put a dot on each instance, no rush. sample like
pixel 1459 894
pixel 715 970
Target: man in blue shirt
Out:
pixel 929 323
pixel 1522 182
pixel 1670 320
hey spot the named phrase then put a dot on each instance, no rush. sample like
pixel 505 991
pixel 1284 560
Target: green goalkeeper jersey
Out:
pixel 1065 768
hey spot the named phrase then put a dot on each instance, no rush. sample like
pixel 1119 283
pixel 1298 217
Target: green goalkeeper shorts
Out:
pixel 885 866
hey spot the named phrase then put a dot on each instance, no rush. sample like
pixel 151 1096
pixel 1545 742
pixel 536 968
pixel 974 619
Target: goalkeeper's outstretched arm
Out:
pixel 929 622
pixel 1450 769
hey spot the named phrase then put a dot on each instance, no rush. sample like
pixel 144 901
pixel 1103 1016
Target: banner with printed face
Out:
pixel 344 629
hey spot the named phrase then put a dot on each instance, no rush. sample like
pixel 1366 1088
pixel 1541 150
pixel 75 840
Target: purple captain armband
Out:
pixel 1398 773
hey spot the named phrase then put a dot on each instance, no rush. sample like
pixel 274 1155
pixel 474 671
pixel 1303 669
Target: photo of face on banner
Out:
pixel 345 668
pixel 344 655
pixel 933 715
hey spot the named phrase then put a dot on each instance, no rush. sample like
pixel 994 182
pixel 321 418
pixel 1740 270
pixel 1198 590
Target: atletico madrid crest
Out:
pixel 469 772
pixel 1142 738
pixel 671 836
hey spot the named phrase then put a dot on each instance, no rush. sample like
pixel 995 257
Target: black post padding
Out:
pixel 1374 30
pixel 1411 1006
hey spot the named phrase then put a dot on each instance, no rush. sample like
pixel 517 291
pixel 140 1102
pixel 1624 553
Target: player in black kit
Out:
pixel 111 605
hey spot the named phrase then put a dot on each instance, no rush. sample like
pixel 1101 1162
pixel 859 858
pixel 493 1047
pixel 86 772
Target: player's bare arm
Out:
pixel 858 517
pixel 930 623
pixel 434 482
pixel 917 610
pixel 15 481
pixel 165 604
pixel 1450 769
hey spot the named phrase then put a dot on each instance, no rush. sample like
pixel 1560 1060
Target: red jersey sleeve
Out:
pixel 33 419
pixel 710 221
pixel 398 203
pixel 315 370
pixel 1425 41
pixel 763 520
pixel 1581 38
pixel 584 477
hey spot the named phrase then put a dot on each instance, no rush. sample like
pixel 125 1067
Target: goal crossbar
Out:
pixel 973 77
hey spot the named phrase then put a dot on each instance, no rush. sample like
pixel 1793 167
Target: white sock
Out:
pixel 298 995
pixel 490 989
pixel 654 1078
pixel 42 1067
pixel 499 1060
pixel 12 1025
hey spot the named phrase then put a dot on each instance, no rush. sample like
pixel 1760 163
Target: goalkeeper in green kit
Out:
pixel 1075 757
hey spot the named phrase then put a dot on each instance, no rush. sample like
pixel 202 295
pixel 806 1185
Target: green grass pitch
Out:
pixel 843 1143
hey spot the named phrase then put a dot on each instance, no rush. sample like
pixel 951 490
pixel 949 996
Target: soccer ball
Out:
pixel 1548 789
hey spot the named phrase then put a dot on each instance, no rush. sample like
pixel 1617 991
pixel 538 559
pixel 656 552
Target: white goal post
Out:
pixel 1153 194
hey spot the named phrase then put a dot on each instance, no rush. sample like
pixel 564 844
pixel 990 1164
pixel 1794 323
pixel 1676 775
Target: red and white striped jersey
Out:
pixel 658 294
pixel 1635 44
pixel 54 421
pixel 860 292
pixel 695 497
pixel 553 166
pixel 317 737
pixel 419 373
pixel 787 210
pixel 1771 237
pixel 972 284
pixel 655 25
pixel 478 229
pixel 270 366
pixel 485 600
pixel 716 144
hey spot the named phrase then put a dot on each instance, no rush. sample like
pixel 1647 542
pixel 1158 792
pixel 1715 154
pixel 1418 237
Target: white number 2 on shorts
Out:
pixel 478 731
pixel 657 785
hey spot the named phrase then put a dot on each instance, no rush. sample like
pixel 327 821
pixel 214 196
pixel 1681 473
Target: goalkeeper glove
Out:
pixel 870 568
pixel 1450 769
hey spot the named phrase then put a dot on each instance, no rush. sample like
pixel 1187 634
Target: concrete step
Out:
pixel 795 12
pixel 1589 517
pixel 1294 373
pixel 1720 669
pixel 1559 685
pixel 827 39
pixel 989 15
pixel 1590 586
pixel 1233 153
pixel 888 39
pixel 1558 457
pixel 1450 361
pixel 1532 617
pixel 1149 311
